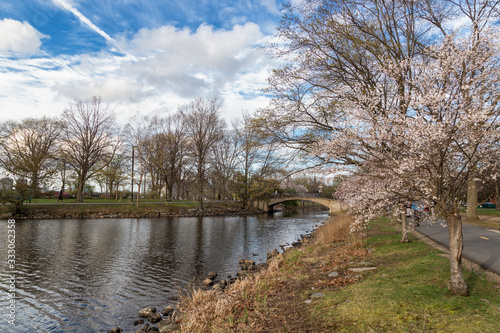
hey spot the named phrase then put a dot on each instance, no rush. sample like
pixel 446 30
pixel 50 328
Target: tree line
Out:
pixel 191 153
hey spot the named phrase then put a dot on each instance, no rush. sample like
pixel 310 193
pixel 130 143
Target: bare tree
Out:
pixel 153 150
pixel 165 149
pixel 258 158
pixel 248 152
pixel 225 161
pixel 113 175
pixel 186 179
pixel 331 44
pixel 204 128
pixel 89 138
pixel 174 140
pixel 28 148
pixel 137 135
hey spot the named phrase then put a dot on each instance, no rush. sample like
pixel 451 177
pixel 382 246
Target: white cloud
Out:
pixel 165 68
pixel 192 62
pixel 203 44
pixel 296 3
pixel 184 63
pixel 19 38
pixel 270 5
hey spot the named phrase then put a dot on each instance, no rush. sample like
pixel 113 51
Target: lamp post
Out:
pixel 132 188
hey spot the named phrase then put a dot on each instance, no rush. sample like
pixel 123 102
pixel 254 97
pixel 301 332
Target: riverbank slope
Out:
pixel 338 282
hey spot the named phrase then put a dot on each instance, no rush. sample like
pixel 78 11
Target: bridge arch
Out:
pixel 332 205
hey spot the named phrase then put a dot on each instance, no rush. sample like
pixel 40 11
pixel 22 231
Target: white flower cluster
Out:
pixel 426 150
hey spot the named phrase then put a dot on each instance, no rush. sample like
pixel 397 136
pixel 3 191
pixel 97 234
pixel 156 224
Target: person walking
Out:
pixel 408 211
pixel 416 207
pixel 60 197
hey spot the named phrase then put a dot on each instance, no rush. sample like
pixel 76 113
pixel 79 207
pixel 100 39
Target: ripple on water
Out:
pixel 90 275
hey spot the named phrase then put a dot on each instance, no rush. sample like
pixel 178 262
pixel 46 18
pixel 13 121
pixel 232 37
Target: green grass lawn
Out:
pixel 488 211
pixel 408 293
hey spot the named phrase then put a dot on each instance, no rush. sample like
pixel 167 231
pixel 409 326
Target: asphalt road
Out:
pixel 481 245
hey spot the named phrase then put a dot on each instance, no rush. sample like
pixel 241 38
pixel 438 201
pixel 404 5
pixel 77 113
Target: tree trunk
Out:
pixel 170 192
pixel 154 183
pixel 245 193
pixel 404 226
pixel 139 190
pixel 167 190
pixel 79 190
pixel 457 282
pixel 472 201
pixel 394 216
pixel 63 176
pixel 223 194
pixel 200 190
pixel 179 188
pixel 34 186
pixel 497 208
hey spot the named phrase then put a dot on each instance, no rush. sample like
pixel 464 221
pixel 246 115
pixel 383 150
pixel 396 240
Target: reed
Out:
pixel 337 229
pixel 235 309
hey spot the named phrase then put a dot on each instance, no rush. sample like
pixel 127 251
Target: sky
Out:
pixel 146 56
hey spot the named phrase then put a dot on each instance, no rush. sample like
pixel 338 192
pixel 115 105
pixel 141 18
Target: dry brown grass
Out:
pixel 237 309
pixel 337 229
pixel 264 302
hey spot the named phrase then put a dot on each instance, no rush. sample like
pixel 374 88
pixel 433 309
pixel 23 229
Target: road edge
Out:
pixel 466 263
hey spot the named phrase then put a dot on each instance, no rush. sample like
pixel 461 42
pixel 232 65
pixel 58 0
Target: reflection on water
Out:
pixel 91 275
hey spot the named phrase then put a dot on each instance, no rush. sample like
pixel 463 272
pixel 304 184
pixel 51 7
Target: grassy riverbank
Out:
pixel 312 290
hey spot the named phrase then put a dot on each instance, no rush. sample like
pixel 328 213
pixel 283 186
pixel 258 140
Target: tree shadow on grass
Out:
pixel 472 279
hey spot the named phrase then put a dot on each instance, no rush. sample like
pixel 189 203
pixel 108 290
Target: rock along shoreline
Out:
pixel 168 320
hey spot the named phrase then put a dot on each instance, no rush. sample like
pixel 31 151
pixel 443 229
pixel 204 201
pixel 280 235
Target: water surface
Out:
pixel 92 275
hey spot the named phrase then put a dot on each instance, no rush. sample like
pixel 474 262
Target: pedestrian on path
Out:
pixel 417 208
pixel 60 197
pixel 408 211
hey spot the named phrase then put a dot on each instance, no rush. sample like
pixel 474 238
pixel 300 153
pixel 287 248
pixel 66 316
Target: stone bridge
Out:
pixel 332 205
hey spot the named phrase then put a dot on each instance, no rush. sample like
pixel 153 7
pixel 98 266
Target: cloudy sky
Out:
pixel 138 55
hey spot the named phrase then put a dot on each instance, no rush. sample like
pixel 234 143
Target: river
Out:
pixel 92 275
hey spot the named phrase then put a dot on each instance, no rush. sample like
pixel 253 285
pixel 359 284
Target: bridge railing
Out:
pixel 299 195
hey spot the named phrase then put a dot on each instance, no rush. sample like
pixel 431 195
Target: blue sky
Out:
pixel 139 55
